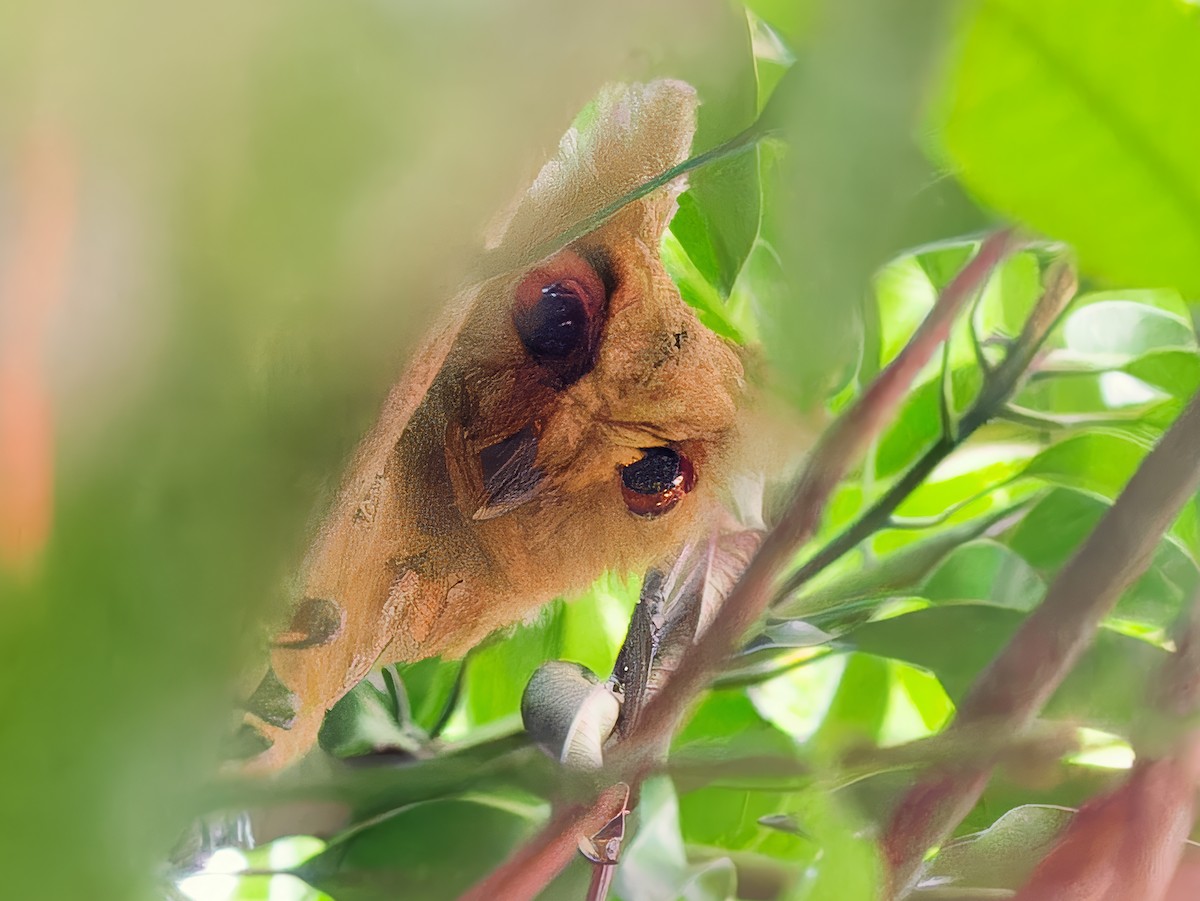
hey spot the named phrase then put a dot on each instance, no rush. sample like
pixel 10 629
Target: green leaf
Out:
pixel 654 864
pixel 919 423
pixel 854 187
pixel 373 716
pixel 695 288
pixel 985 571
pixel 1176 371
pixel 848 866
pixel 718 216
pixel 1059 523
pixel 1068 116
pixel 429 686
pixel 797 701
pixel 1095 461
pixel 429 851
pixel 1119 330
pixel 1003 855
pixel 790 18
pixel 727 725
pixel 956 642
pixel 888 574
pixel 498 671
pixel 859 707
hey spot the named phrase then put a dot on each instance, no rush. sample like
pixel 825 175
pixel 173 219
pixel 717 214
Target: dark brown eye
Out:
pixel 556 325
pixel 557 316
pixel 657 482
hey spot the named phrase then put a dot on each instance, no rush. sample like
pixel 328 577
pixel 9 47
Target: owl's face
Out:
pixel 575 418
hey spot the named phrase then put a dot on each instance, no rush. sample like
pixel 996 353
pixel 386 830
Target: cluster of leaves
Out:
pixel 1068 118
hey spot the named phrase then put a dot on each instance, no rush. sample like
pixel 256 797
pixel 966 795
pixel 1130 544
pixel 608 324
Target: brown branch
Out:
pixel 523 876
pixel 840 448
pixel 1022 678
pixel 1128 845
pixel 1001 384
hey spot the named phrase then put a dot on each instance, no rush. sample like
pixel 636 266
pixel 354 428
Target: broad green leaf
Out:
pixel 1095 461
pixel 981 474
pixel 428 851
pixel 654 863
pixel 798 701
pixel 429 686
pixel 1068 116
pixel 726 725
pixel 497 672
pixel 790 18
pixel 728 721
pixel 1118 330
pixel 956 642
pixel 858 709
pixel 887 574
pixel 373 716
pixel 848 867
pixel 985 571
pixel 1003 855
pixel 1166 300
pixel 1010 295
pixel 1059 524
pixel 592 627
pixel 1176 371
pixel 918 423
pixel 696 289
pixel 905 296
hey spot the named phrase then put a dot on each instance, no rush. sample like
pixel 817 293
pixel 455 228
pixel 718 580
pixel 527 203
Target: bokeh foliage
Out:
pixel 274 197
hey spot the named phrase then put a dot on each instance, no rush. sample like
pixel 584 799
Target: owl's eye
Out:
pixel 557 315
pixel 654 484
pixel 556 324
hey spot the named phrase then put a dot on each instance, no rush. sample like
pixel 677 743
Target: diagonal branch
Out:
pixel 1019 682
pixel 523 876
pixel 1001 384
pixel 1128 844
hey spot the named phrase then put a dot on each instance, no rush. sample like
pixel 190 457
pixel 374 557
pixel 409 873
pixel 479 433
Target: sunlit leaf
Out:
pixel 1065 116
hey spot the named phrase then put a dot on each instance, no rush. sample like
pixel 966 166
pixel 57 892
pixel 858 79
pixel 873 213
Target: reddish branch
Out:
pixel 1127 846
pixel 1022 678
pixel 33 279
pixel 840 448
pixel 523 876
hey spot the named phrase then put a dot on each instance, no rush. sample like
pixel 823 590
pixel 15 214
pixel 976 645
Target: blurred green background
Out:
pixel 223 227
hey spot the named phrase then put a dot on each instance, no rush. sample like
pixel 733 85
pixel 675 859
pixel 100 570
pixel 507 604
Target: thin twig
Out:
pixel 602 877
pixel 1017 684
pixel 1002 384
